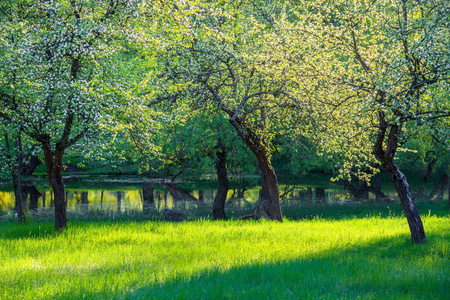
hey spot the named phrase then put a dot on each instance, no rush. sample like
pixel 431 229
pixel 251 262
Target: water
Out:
pixel 109 193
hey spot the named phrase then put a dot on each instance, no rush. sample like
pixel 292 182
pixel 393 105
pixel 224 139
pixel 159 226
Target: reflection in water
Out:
pixel 146 199
pixel 150 196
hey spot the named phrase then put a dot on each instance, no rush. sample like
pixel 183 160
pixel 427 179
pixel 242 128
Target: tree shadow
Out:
pixel 388 268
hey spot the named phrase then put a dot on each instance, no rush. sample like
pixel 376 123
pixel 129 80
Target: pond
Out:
pixel 134 193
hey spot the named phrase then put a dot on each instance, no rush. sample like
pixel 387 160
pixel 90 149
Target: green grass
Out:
pixel 368 257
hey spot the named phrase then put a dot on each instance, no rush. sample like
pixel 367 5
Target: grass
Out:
pixel 324 256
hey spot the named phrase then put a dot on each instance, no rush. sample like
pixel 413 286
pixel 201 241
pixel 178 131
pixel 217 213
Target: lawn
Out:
pixel 369 257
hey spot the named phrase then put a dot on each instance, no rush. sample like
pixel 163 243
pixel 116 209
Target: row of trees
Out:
pixel 355 80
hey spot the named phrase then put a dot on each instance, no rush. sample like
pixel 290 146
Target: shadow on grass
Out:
pixel 385 269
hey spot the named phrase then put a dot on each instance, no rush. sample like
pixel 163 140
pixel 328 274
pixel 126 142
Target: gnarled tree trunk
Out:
pixel 222 182
pixel 269 205
pixel 386 156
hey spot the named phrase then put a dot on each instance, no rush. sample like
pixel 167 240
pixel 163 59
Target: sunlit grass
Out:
pixel 369 258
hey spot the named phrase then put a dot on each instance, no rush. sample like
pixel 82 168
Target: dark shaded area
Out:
pixel 431 159
pixel 360 189
pixel 440 188
pixel 320 194
pixel 309 193
pixel 173 215
pixel 201 195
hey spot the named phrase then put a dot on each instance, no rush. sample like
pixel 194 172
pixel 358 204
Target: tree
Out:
pixel 55 76
pixel 208 56
pixel 381 73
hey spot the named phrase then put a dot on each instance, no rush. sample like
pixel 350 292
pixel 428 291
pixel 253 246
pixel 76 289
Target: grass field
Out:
pixel 363 257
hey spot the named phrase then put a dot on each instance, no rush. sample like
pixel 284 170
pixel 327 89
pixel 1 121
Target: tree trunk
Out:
pixel 376 189
pixel 432 159
pixel 309 194
pixel 16 174
pixel 241 192
pixel 165 199
pixel 386 156
pixel 222 182
pixel 119 201
pixel 320 194
pixel 409 205
pixel 32 165
pixel 269 205
pixel 54 166
pixel 84 200
pixel 18 193
pixel 34 196
pixel 201 195
pixel 270 195
pixel 147 196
